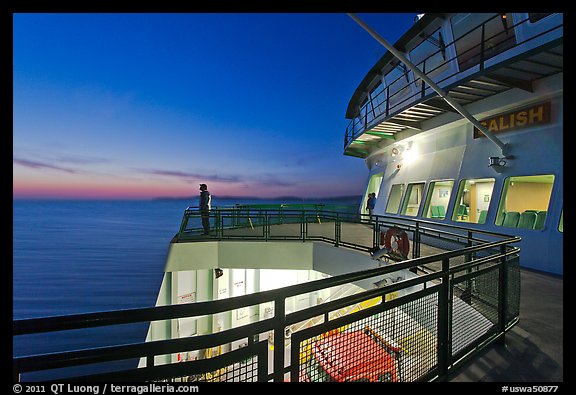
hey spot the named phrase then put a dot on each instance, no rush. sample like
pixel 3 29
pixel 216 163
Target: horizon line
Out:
pixel 224 197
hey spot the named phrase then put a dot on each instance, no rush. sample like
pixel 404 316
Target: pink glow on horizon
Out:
pixel 86 189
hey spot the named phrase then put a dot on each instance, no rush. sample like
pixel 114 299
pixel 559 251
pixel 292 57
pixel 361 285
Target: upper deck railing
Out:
pixel 407 90
pixel 467 298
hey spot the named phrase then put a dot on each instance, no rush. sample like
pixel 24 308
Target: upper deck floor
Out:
pixel 471 56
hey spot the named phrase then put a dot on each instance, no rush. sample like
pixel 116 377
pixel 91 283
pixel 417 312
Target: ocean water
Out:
pixel 86 256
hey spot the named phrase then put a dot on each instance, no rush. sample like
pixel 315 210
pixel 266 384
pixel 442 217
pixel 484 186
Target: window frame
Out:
pixel 402 192
pixel 460 197
pixel 502 203
pixel 428 200
pixel 408 196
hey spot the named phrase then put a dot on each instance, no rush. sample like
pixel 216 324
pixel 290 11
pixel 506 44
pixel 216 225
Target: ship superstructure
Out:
pixel 426 160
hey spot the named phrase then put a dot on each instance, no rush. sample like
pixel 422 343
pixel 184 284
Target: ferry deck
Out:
pixel 534 349
pixel 530 351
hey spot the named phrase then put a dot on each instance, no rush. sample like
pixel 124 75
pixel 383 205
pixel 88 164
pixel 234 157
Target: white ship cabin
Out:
pixel 427 161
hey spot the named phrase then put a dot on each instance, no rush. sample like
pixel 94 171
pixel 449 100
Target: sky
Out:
pixel 148 105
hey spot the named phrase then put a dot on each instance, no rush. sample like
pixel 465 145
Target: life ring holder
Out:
pixel 396 242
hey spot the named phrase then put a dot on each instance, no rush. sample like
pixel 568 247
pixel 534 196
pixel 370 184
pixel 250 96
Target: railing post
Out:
pixel 266 224
pixel 444 318
pixel 416 241
pixel 303 225
pixel 279 313
pixel 337 230
pixel 375 229
pixel 387 100
pixel 423 82
pixel 467 294
pixel 503 293
pixel 481 60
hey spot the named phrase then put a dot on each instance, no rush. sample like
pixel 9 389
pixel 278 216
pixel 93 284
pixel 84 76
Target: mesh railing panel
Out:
pixel 417 337
pixel 246 371
pixel 474 308
pixel 397 344
pixel 242 365
pixel 513 284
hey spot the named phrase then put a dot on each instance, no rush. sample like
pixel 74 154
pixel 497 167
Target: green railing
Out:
pixel 258 220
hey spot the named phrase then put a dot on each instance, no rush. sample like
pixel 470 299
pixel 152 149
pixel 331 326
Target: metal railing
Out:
pixel 465 300
pixel 380 107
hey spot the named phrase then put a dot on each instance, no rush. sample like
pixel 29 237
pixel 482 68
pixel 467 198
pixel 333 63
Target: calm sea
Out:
pixel 85 256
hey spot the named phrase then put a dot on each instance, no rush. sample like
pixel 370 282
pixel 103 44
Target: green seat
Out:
pixel 527 220
pixel 441 212
pixel 500 220
pixel 511 219
pixel 434 212
pixel 540 219
pixel 482 217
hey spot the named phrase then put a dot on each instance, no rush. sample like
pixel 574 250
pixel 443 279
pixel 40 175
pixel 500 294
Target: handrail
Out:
pixel 272 217
pixel 360 123
pixel 457 106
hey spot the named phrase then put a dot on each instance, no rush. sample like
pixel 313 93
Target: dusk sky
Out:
pixel 138 106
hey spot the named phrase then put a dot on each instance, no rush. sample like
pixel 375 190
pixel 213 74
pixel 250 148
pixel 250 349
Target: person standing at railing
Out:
pixel 371 203
pixel 205 200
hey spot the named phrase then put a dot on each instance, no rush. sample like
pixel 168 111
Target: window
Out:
pixel 480 36
pixel 437 199
pixel 394 199
pixel 412 199
pixel 561 224
pixel 473 200
pixel 524 202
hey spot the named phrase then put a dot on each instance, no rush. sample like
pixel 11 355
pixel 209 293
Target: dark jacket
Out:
pixel 205 200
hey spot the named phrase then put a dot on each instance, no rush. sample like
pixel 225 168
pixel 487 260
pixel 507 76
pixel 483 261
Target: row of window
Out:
pixel 523 203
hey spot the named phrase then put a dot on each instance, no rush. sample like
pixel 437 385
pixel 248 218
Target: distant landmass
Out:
pixel 357 198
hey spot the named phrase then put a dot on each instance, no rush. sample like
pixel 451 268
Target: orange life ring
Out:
pixel 396 242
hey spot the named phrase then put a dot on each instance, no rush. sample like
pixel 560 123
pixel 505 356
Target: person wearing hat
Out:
pixel 205 200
